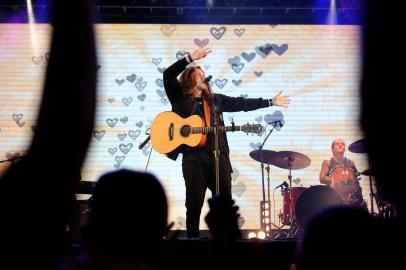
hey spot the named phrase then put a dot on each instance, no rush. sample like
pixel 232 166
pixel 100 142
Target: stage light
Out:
pixel 261 235
pixel 31 21
pixel 252 235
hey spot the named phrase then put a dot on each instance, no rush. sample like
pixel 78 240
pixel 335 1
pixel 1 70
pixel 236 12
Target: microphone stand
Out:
pixel 216 151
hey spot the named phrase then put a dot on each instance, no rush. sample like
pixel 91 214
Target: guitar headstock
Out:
pixel 252 128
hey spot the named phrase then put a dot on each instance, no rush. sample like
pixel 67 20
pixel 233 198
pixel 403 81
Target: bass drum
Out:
pixel 314 199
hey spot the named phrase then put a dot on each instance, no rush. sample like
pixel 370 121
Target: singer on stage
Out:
pixel 190 95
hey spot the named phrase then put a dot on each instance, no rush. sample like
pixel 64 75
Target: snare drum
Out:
pixel 290 196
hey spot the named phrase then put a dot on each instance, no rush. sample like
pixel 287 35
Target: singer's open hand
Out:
pixel 200 53
pixel 282 101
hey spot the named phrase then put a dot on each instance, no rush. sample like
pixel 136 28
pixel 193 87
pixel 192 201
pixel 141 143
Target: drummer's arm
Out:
pixel 324 177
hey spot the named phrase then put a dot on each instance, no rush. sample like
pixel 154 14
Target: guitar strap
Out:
pixel 206 123
pixel 206 112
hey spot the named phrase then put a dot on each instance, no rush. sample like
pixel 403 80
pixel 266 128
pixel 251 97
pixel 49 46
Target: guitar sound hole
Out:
pixel 185 131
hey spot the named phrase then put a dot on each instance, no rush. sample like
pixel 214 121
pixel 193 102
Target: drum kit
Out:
pixel 300 203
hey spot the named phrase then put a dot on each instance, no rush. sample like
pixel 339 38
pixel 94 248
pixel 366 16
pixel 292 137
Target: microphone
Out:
pixel 275 119
pixel 283 185
pixel 144 142
pixel 208 78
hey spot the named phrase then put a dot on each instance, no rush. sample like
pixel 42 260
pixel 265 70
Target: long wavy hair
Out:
pixel 188 80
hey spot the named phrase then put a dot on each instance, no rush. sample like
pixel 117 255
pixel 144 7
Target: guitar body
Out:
pixel 169 131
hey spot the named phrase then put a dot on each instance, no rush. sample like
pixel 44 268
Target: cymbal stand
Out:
pixel 371 195
pixel 264 225
pixel 292 220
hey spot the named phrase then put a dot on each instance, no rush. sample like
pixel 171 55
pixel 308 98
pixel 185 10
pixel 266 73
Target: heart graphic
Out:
pixel 111 122
pixel 239 31
pixel 241 221
pixel 112 151
pixel 161 69
pixel 133 134
pixel 234 60
pixel 164 101
pixel 37 59
pixel 121 136
pixel 120 81
pixel 119 160
pixel 156 61
pixel 237 82
pixel 221 83
pixel 125 148
pixel 145 150
pixel 238 188
pixel 131 78
pixel 141 97
pixel 255 146
pixel 258 119
pixel 99 134
pixel 159 82
pixel 264 50
pixel 180 54
pixel 127 101
pixel 20 123
pixel 140 85
pixel 217 33
pixel 201 43
pixel 124 119
pixel 139 79
pixel 258 73
pixel 168 30
pixel 139 124
pixel 279 50
pixel 237 68
pixel 17 117
pixel 161 93
pixel 248 56
pixel 111 100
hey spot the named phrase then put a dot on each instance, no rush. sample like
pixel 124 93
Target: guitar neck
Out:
pixel 206 130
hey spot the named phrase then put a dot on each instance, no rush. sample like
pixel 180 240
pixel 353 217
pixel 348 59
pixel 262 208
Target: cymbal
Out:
pixel 291 160
pixel 358 146
pixel 266 155
pixel 368 172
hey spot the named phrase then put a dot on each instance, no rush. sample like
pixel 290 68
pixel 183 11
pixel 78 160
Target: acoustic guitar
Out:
pixel 169 131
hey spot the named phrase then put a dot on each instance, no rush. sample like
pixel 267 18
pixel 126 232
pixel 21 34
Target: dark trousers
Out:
pixel 200 175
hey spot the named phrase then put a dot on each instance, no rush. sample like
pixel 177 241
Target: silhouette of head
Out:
pixel 128 215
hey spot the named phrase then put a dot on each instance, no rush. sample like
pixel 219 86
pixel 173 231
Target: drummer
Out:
pixel 340 173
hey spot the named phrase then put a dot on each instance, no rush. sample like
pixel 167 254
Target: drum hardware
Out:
pixel 360 147
pixel 372 195
pixel 264 157
pixel 286 160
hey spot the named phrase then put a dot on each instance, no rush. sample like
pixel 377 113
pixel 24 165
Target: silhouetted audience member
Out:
pixel 222 220
pixel 349 238
pixel 126 223
pixel 340 238
pixel 37 200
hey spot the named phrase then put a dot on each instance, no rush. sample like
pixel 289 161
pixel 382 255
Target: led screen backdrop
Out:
pixel 318 66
